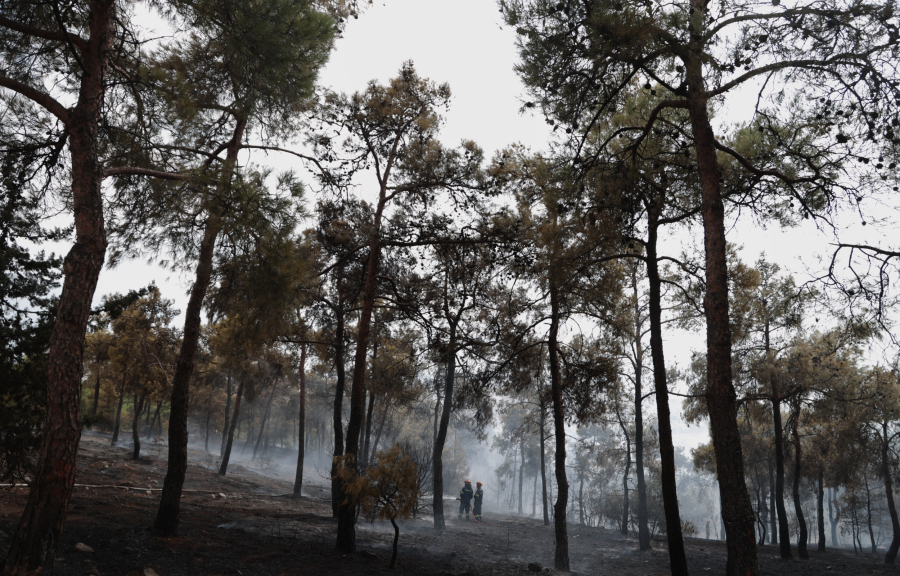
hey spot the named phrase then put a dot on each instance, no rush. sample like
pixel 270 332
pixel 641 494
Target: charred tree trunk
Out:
pixel 869 514
pixel 721 398
pixel 783 530
pixel 561 555
pixel 346 531
pixel 139 400
pixel 301 425
pixel 891 554
pixel 227 425
pixel 437 462
pixel 115 436
pixel 377 439
pixel 674 536
pixel 625 498
pixel 337 419
pixel 804 535
pixel 832 517
pixel 265 418
pixel 396 539
pixel 229 436
pixel 820 510
pixel 544 469
pixel 581 500
pixel 96 393
pixel 521 473
pixel 773 514
pixel 33 547
pixel 166 523
pixel 366 455
pixel 156 417
pixel 643 516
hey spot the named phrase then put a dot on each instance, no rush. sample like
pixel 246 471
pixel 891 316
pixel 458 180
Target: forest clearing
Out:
pixel 246 523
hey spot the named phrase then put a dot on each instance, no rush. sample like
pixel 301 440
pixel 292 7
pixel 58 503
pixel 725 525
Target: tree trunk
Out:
pixel 674 536
pixel 377 439
pixel 96 393
pixel 783 530
pixel 156 416
pixel 820 510
pixel 337 419
pixel 115 436
pixel 891 554
pixel 561 556
pixel 521 473
pixel 346 532
pixel 34 546
pixel 832 517
pixel 265 418
pixel 581 500
pixel 368 436
pixel 625 495
pixel 301 425
pixel 534 497
pixel 643 528
pixel 773 514
pixel 396 539
pixel 227 425
pixel 229 436
pixel 801 542
pixel 166 523
pixel 139 400
pixel 543 469
pixel 437 462
pixel 737 510
pixel 869 514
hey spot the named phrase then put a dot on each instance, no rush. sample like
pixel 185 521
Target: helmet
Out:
pixel 478 483
pixel 468 481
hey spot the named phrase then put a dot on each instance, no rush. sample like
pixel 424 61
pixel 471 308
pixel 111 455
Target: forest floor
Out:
pixel 246 523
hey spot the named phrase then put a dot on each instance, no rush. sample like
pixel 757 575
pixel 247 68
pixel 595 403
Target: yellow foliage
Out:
pixel 387 490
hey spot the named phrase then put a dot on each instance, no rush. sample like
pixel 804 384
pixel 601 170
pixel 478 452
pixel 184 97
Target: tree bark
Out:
pixel 229 441
pixel 115 436
pixel 139 399
pixel 34 545
pixel 643 528
pixel 804 535
pixel 561 555
pixel 737 511
pixel 543 469
pixel 891 554
pixel 301 426
pixel 674 536
pixel 773 514
pixel 227 425
pixel 625 500
pixel 820 510
pixel 337 418
pixel 346 532
pixel 438 458
pixel 166 523
pixel 96 392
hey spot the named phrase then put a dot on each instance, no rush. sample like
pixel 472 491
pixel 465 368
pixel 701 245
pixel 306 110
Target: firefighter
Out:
pixel 476 505
pixel 465 497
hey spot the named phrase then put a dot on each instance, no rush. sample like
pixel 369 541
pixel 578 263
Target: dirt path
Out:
pixel 245 524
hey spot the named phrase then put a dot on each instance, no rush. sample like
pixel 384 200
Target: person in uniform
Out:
pixel 465 499
pixel 476 501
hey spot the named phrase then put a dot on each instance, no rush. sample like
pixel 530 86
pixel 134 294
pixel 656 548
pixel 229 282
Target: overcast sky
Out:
pixel 463 43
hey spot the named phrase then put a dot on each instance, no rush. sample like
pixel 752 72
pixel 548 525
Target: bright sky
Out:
pixel 463 43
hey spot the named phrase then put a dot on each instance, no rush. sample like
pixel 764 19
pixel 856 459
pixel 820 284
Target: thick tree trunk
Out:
pixel 338 415
pixel 34 545
pixel 229 436
pixel 820 510
pixel 643 528
pixel 561 555
pixel 737 511
pixel 115 436
pixel 227 425
pixel 891 554
pixel 166 523
pixel 139 400
pixel 301 426
pixel 798 510
pixel 346 531
pixel 674 536
pixel 437 462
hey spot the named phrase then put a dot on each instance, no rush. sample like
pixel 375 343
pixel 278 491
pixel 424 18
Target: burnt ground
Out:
pixel 245 524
